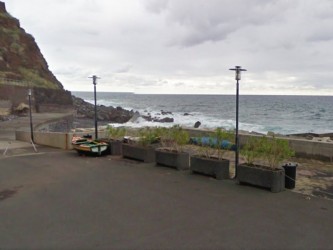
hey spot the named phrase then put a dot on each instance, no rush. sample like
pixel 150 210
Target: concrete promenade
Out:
pixel 8 128
pixel 57 200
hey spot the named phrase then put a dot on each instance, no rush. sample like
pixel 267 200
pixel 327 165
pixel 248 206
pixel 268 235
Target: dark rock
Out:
pixel 197 124
pixel 166 120
pixel 186 114
pixel 166 112
pixel 147 118
pixel 108 114
pixel 157 119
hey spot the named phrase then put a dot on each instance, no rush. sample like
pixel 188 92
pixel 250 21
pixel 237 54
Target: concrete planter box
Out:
pixel 272 179
pixel 137 152
pixel 116 147
pixel 210 166
pixel 178 160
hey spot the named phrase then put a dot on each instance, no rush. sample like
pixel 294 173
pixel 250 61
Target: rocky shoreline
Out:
pixel 85 118
pixel 85 112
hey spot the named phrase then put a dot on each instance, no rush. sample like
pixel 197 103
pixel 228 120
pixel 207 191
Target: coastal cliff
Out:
pixel 23 67
pixel 20 57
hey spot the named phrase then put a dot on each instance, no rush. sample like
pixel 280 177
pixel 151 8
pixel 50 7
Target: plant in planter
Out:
pixel 148 136
pixel 252 150
pixel 262 149
pixel 275 150
pixel 210 160
pixel 172 153
pixel 115 138
pixel 179 137
pixel 142 149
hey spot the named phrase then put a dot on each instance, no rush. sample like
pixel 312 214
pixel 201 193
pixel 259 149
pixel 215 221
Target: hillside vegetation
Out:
pixel 20 57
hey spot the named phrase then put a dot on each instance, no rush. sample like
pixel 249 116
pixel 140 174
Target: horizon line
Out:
pixel 135 93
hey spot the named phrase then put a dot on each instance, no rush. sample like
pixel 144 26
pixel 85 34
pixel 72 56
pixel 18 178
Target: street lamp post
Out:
pixel 94 83
pixel 238 70
pixel 31 127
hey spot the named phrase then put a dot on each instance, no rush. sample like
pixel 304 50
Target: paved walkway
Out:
pixel 8 128
pixel 56 199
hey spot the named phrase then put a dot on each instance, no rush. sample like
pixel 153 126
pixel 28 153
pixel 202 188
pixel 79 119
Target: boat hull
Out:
pixel 89 147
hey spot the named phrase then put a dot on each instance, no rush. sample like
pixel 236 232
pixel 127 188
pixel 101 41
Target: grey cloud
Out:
pixel 214 20
pixel 152 45
pixel 323 32
pixel 124 69
pixel 157 6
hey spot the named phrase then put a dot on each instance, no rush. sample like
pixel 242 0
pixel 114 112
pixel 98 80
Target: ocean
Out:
pixel 278 114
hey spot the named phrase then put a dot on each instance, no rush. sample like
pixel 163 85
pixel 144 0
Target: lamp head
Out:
pixel 238 70
pixel 94 77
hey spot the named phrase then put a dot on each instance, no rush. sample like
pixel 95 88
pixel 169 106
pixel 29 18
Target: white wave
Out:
pixel 260 114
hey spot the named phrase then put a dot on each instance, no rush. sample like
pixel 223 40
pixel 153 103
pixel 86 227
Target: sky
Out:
pixel 185 46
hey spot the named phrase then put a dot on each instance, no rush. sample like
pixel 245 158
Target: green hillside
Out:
pixel 20 57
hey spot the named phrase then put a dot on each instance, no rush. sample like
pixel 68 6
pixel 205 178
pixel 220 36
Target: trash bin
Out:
pixel 290 175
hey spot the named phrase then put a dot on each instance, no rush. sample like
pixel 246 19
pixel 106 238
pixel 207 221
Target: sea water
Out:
pixel 279 114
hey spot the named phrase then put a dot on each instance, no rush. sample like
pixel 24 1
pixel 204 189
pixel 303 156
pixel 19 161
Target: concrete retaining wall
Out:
pixel 314 150
pixel 55 140
pixel 303 148
pixel 43 100
pixel 51 139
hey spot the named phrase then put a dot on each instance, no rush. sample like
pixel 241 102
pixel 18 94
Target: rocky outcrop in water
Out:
pixel 157 119
pixel 108 114
pixel 197 124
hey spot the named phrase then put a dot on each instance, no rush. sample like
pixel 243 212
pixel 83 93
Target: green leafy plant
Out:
pixel 37 80
pixel 214 149
pixel 223 135
pixel 179 138
pixel 275 150
pixel 272 150
pixel 165 136
pixel 115 133
pixel 252 150
pixel 148 136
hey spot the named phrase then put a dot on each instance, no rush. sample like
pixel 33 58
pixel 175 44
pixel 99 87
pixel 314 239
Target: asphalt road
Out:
pixel 55 199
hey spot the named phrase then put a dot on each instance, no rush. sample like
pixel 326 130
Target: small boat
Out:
pixel 88 146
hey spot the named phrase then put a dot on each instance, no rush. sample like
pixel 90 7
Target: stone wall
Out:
pixel 5 108
pixel 43 100
pixel 2 7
